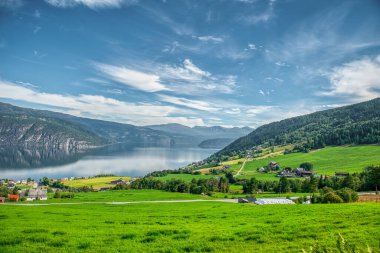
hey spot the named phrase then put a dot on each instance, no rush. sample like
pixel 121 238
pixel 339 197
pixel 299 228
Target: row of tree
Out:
pixel 205 186
pixel 368 180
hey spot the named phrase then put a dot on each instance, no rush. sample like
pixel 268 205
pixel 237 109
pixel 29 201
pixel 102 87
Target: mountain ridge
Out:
pixel 352 124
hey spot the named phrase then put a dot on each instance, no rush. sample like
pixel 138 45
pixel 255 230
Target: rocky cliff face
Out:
pixel 44 133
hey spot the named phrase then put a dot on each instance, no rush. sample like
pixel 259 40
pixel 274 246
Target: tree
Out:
pixel 284 185
pixel 372 177
pixel 45 181
pixel 230 177
pixel 306 166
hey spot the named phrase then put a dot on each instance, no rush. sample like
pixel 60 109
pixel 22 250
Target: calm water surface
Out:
pixel 19 164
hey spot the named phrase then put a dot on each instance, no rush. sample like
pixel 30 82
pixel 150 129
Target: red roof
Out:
pixel 10 196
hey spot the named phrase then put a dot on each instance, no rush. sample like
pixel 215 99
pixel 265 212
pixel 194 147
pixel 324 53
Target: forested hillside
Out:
pixel 353 124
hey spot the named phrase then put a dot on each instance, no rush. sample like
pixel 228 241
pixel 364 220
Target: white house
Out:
pixel 37 194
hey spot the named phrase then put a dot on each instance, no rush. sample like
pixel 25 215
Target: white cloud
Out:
pixel 190 78
pixel 358 79
pixel 99 107
pixel 190 103
pixel 260 109
pixel 252 46
pixel 209 39
pixel 262 92
pixel 133 78
pixel 233 111
pixel 92 4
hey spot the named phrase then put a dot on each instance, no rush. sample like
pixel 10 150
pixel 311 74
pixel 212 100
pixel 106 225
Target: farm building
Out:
pixel 119 181
pixel 37 194
pixel 2 199
pixel 13 197
pixel 271 201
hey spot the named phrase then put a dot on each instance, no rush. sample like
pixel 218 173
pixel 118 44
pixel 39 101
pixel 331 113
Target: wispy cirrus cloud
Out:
pixel 133 78
pixel 190 103
pixel 188 78
pixel 92 4
pixel 209 38
pixel 100 107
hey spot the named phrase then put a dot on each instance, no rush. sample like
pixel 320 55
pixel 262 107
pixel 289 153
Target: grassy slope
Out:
pixel 97 183
pixel 185 227
pixel 327 160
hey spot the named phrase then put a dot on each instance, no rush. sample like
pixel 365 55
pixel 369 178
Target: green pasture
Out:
pixel 123 196
pixel 186 227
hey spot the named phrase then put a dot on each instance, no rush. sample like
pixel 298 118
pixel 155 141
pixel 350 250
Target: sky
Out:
pixel 192 62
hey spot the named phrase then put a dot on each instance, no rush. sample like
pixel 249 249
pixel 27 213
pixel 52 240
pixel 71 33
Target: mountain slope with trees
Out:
pixel 353 124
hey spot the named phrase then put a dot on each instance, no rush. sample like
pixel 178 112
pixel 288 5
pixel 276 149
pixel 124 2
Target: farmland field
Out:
pixel 96 182
pixel 186 227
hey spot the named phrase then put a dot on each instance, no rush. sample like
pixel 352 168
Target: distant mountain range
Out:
pixel 353 124
pixel 40 128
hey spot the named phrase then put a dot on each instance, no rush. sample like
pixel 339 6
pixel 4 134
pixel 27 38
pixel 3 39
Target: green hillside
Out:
pixel 326 161
pixel 354 124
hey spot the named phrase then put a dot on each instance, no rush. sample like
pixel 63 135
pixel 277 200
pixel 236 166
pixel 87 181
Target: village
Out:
pixel 32 190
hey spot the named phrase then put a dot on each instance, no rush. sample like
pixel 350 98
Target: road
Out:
pixel 241 168
pixel 126 202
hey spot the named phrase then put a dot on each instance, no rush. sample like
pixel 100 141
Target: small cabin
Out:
pixel 2 199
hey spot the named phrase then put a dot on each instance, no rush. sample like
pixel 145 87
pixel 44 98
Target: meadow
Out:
pixel 123 196
pixel 96 182
pixel 328 160
pixel 186 227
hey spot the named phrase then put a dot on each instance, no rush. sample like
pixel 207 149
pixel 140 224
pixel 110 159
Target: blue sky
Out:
pixel 227 62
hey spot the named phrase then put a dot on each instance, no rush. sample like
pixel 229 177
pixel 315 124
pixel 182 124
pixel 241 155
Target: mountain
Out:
pixel 40 128
pixel 202 136
pixel 216 143
pixel 353 124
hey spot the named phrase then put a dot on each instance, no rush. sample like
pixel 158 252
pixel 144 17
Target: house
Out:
pixel 226 167
pixel 2 199
pixel 261 170
pixel 37 194
pixel 13 197
pixel 119 181
pixel 273 166
pixel 270 201
pixel 11 185
pixel 306 173
pixel 342 174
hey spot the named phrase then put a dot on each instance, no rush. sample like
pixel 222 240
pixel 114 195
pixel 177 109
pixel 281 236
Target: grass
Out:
pixel 123 196
pixel 328 160
pixel 96 183
pixel 185 177
pixel 186 227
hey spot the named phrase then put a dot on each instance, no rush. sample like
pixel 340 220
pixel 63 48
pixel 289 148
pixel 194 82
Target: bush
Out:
pixel 348 195
pixel 332 197
pixel 22 199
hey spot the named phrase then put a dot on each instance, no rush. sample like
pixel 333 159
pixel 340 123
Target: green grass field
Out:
pixel 96 183
pixel 327 160
pixel 186 227
pixel 185 177
pixel 123 196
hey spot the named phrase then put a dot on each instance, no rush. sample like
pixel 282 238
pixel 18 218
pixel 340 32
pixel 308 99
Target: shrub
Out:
pixel 348 195
pixel 332 197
